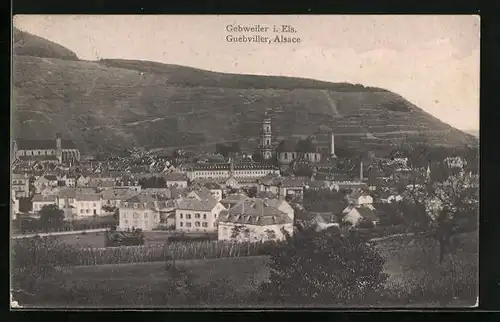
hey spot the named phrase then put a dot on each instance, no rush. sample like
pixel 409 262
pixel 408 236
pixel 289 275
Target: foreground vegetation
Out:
pixel 29 251
pixel 341 270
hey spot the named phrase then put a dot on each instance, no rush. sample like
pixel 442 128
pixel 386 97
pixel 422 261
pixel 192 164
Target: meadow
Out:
pixel 416 278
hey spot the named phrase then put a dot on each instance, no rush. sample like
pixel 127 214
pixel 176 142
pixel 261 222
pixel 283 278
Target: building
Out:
pixel 292 188
pixel 266 148
pixel 43 182
pixel 46 151
pixel 223 171
pixel 113 197
pixel 290 150
pixel 14 205
pixel 197 212
pixel 143 211
pixel 353 215
pixel 39 201
pixel 69 180
pixel 173 179
pixel 254 220
pixel 215 190
pixel 21 185
pixel 88 204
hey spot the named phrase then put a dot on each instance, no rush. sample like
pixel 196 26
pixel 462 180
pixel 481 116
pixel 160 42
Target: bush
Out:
pixel 323 268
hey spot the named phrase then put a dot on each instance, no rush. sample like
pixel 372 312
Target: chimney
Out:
pixel 332 147
pixel 361 171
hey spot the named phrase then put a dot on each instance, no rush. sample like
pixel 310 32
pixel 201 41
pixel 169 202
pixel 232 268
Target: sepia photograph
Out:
pixel 244 161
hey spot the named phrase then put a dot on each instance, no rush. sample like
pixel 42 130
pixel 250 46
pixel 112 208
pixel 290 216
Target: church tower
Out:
pixel 265 138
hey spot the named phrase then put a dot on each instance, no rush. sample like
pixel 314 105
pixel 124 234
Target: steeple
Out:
pixel 265 138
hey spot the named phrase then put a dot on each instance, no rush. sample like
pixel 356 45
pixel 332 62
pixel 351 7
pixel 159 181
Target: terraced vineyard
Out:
pixel 112 104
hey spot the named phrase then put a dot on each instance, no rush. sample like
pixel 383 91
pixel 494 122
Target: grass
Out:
pixel 242 275
pixel 416 274
pixel 416 279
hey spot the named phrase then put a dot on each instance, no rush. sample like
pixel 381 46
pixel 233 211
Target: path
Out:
pixel 60 233
pixel 333 105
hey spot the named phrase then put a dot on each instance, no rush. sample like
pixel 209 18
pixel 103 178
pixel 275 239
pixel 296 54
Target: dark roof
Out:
pixel 236 166
pixel 212 186
pixel 43 198
pixel 51 177
pixel 175 177
pixel 24 144
pixel 37 158
pixel 255 212
pixel 287 146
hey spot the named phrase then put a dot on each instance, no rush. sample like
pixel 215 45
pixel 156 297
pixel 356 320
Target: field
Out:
pixel 140 281
pixel 96 240
pixel 416 278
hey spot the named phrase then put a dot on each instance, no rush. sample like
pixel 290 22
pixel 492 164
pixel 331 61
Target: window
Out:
pixel 197 216
pixel 197 224
pixel 81 210
pixel 204 224
pixel 93 204
pixel 188 216
pixel 215 224
pixel 87 211
pixel 135 205
pixel 126 222
pixel 181 224
pixel 145 215
pixel 215 215
pixel 204 216
pixel 124 215
pixel 136 215
pixel 95 212
pixel 156 217
pixel 188 224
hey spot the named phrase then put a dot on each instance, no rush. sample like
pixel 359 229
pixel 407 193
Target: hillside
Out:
pixel 26 44
pixel 115 104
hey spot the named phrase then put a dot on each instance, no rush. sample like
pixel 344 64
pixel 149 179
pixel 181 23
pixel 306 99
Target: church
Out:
pixel 47 151
pixel 308 149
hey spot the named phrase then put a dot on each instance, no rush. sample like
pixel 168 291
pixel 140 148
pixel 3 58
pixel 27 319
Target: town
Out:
pixel 203 194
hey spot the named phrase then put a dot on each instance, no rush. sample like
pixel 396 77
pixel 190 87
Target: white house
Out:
pixel 43 200
pixel 82 180
pixel 88 205
pixel 215 190
pixel 20 184
pixel 15 205
pixel 173 179
pixel 354 214
pixel 143 211
pixel 112 197
pixel 195 214
pixel 254 220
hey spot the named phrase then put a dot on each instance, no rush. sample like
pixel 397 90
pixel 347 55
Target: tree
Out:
pixel 323 268
pixel 51 217
pixel 441 203
pixel 236 231
pixel 453 206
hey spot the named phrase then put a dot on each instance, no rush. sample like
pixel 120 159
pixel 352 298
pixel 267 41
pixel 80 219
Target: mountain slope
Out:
pixel 115 104
pixel 26 44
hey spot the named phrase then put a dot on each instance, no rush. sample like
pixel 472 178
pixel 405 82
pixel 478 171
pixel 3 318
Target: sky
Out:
pixel 433 60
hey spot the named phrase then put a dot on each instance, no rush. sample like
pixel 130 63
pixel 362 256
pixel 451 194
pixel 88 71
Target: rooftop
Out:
pixel 44 198
pixel 255 212
pixel 25 144
pixel 196 205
